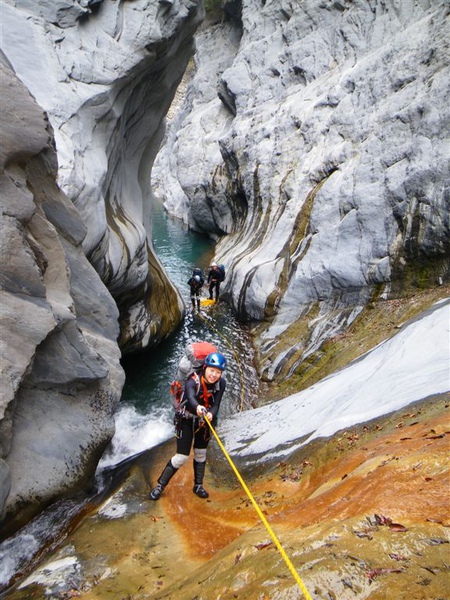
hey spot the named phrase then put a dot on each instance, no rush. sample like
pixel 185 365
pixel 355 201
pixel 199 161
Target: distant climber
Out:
pixel 215 277
pixel 196 283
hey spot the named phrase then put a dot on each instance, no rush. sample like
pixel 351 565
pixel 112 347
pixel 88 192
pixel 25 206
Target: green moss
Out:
pixel 271 303
pixel 378 321
pixel 422 274
pixel 213 8
pixel 301 227
pixel 299 232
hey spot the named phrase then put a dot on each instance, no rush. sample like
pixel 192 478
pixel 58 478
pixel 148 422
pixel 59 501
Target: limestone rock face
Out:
pixel 324 157
pixel 105 72
pixel 61 375
pixel 85 88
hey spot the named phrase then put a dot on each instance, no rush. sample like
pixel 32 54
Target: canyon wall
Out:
pixel 85 86
pixel 324 164
pixel 61 373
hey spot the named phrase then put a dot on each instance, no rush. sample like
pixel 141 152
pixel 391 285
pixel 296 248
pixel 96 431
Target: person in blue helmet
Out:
pixel 202 396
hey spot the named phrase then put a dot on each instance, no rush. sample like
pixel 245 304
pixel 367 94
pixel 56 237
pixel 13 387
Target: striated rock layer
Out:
pixel 105 73
pixel 324 158
pixel 61 375
pixel 81 125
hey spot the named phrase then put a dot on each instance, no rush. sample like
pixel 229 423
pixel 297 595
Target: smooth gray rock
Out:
pixel 105 73
pixel 76 157
pixel 60 362
pixel 409 367
pixel 324 158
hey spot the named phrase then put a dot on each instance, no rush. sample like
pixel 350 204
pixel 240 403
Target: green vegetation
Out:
pixel 213 8
pixel 378 321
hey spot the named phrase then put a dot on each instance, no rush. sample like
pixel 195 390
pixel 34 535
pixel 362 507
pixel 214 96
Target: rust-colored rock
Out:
pixel 361 515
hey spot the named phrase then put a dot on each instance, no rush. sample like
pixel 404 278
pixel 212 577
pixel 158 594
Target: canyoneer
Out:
pixel 216 276
pixel 195 284
pixel 201 400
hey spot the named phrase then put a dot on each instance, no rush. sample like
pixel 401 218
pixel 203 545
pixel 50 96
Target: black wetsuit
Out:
pixel 195 286
pixel 189 427
pixel 215 278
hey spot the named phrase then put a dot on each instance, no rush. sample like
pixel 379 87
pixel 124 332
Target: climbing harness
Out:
pixel 206 394
pixel 262 517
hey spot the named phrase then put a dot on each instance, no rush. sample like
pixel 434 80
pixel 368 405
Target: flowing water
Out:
pixel 144 417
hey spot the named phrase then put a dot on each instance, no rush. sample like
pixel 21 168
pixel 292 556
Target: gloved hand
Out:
pixel 201 411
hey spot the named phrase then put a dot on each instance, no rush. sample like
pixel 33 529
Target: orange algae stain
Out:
pixel 209 525
pixel 403 473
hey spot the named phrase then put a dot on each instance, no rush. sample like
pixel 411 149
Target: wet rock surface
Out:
pixel 61 375
pixel 361 515
pixel 324 158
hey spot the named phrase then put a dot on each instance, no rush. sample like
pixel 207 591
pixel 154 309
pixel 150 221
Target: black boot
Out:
pixel 199 473
pixel 165 477
pixel 198 304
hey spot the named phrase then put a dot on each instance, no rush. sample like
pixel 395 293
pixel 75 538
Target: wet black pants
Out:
pixel 191 431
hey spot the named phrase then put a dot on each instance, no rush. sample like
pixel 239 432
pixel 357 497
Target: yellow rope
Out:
pixel 262 517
